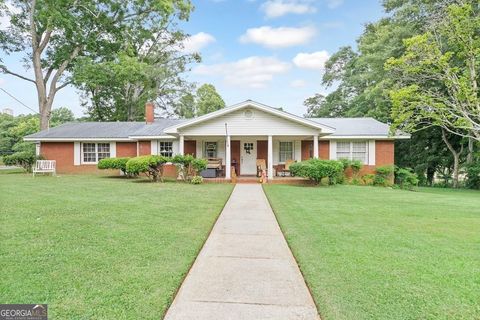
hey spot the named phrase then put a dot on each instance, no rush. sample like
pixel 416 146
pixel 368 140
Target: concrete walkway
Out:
pixel 245 269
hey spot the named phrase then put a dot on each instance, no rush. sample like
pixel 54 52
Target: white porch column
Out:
pixel 181 149
pixel 270 157
pixel 228 160
pixel 315 146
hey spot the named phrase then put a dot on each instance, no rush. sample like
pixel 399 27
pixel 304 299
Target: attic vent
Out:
pixel 248 114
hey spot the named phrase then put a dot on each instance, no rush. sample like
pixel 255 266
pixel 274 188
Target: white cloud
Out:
pixel 332 4
pixel 278 37
pixel 314 60
pixel 197 42
pixel 2 81
pixel 278 8
pixel 298 83
pixel 251 72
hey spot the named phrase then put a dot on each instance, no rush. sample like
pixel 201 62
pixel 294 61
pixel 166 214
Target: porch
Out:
pixel 248 157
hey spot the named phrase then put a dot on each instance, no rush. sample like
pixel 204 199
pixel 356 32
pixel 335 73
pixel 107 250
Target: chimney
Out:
pixel 149 113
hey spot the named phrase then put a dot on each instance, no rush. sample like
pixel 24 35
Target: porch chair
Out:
pixel 286 169
pixel 44 166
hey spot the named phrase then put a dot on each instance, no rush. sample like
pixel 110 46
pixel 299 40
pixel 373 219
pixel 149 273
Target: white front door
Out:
pixel 248 157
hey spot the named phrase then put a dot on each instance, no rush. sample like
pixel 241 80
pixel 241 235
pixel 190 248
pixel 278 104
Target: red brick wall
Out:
pixel 62 152
pixel 144 148
pixel 384 152
pixel 323 149
pixel 126 149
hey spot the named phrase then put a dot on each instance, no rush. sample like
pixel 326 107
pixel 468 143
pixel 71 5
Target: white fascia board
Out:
pixel 151 137
pixel 363 137
pixel 75 139
pixel 268 109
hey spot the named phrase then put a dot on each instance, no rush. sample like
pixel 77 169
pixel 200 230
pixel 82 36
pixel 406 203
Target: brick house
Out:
pixel 238 135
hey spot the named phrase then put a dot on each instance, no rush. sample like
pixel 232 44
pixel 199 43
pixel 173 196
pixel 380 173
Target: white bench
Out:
pixel 44 166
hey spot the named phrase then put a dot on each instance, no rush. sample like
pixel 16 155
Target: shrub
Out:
pixel 406 178
pixel 197 180
pixel 114 163
pixel 473 176
pixel 368 179
pixel 24 159
pixel 188 166
pixel 356 166
pixel 152 166
pixel 383 176
pixel 316 170
pixel 345 163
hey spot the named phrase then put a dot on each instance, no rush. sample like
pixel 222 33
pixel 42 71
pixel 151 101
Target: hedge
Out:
pixel 152 166
pixel 316 170
pixel 114 163
pixel 188 166
pixel 24 159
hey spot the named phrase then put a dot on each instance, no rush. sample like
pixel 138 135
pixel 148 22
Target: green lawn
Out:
pixel 375 253
pixel 100 248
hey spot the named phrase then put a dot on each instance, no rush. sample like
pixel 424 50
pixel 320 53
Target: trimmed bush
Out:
pixel 114 163
pixel 189 166
pixel 24 159
pixel 356 166
pixel 383 176
pixel 196 180
pixel 406 178
pixel 473 176
pixel 151 166
pixel 316 170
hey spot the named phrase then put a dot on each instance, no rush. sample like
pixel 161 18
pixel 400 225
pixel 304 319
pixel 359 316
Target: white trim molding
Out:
pixel 77 153
pixel 371 152
pixel 113 149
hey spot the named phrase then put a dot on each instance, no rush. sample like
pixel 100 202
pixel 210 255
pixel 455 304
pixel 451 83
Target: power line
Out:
pixel 23 104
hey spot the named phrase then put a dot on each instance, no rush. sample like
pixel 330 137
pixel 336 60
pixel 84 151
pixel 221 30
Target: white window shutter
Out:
pixel 175 146
pixel 371 152
pixel 333 150
pixel 298 150
pixel 113 149
pixel 77 153
pixel 154 147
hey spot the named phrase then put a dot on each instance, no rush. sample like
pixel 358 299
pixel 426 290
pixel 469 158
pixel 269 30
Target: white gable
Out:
pixel 248 121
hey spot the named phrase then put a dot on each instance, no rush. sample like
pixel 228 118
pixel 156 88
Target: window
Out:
pixel 286 151
pixel 210 149
pixel 94 152
pixel 165 148
pixel 352 150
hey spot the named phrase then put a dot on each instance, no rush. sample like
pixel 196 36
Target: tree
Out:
pixel 61 115
pixel 208 100
pixel 437 76
pixel 55 35
pixel 186 108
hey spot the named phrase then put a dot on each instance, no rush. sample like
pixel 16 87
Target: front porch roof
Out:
pixel 255 105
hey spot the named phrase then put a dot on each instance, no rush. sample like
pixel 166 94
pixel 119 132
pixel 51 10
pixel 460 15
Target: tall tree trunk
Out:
pixel 470 151
pixel 456 158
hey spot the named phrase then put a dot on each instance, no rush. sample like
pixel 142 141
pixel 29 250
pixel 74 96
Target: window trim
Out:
pixel 159 149
pixel 82 152
pixel 351 152
pixel 280 151
pixel 205 149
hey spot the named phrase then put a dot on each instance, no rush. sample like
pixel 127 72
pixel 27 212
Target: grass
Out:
pixel 101 248
pixel 377 253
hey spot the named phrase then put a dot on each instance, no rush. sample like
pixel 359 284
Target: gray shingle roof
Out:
pixel 76 130
pixel 355 126
pixel 123 130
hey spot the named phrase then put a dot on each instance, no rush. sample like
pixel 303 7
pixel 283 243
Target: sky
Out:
pixel 270 51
